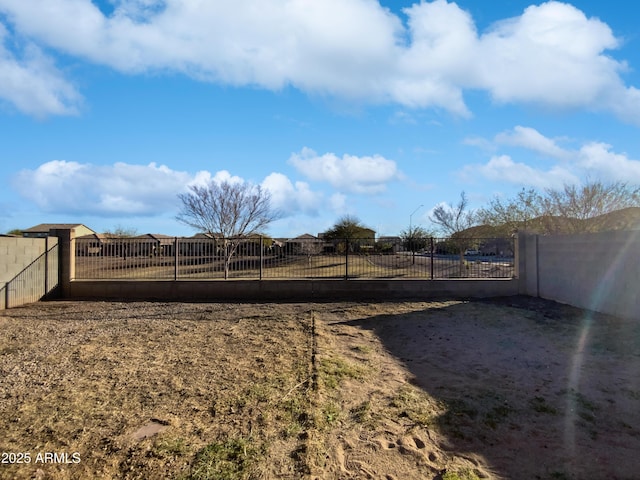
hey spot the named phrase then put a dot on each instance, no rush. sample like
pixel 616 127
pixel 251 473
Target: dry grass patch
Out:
pixel 451 390
pixel 85 377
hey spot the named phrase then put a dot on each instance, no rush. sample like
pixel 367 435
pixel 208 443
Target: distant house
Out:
pixel 200 244
pixel 389 244
pixel 496 246
pixel 305 244
pixel 99 244
pixel 366 241
pixel 204 236
pixel 154 244
pixel 110 245
pixel 42 230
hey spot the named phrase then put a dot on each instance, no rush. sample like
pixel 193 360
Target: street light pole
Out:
pixel 411 235
pixel 411 216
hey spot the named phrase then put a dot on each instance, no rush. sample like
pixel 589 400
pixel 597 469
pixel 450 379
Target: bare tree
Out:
pixel 514 213
pixel 120 231
pixel 572 208
pixel 230 211
pixel 454 221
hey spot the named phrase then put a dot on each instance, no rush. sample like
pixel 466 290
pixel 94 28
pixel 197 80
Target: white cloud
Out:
pixel 203 178
pixel 224 176
pixel 598 160
pixel 479 142
pixel 623 102
pixel 338 203
pixel 264 42
pixel 116 190
pixel 591 160
pixel 349 173
pixel 551 55
pixel 433 68
pixel 290 198
pixel 531 139
pixel 32 83
pixel 503 169
pixel 69 187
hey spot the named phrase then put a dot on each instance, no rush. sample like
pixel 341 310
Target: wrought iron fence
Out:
pixel 311 258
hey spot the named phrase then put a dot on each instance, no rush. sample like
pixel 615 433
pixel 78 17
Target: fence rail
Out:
pixel 262 258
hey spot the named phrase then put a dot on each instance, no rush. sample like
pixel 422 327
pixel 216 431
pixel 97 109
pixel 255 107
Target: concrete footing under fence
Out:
pixel 289 290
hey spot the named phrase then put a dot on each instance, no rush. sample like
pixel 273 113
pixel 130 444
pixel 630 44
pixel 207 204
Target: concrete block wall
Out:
pixel 17 253
pixel 269 290
pixel 527 257
pixel 596 271
pixel 290 290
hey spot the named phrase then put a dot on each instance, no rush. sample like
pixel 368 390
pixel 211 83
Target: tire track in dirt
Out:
pixel 303 449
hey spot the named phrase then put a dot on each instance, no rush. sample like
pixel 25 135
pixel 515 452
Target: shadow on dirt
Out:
pixel 540 390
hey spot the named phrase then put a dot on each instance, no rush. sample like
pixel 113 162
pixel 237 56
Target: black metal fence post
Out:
pixel 46 267
pixel 431 260
pixel 261 255
pixel 175 258
pixel 346 263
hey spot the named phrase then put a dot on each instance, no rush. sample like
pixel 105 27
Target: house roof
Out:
pixel 206 235
pixel 148 237
pixel 156 237
pixel 304 237
pixel 99 236
pixel 220 235
pixel 45 227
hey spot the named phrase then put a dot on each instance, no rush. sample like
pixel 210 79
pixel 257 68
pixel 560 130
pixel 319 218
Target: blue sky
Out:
pixel 109 109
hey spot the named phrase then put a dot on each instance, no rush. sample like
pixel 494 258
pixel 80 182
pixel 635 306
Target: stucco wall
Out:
pixel 596 271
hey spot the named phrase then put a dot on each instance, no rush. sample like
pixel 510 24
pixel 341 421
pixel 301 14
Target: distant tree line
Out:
pixel 235 211
pixel 590 207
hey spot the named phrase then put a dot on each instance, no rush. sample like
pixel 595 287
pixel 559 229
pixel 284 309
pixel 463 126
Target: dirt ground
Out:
pixel 506 388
